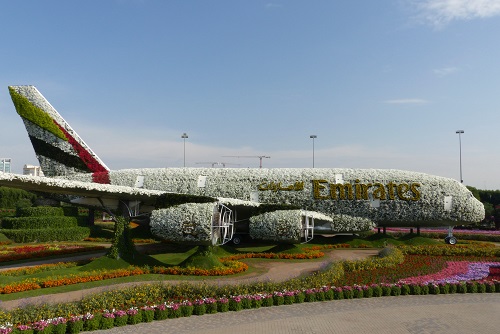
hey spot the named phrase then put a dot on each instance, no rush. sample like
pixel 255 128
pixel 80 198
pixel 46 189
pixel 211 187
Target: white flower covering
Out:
pixel 236 187
pixel 282 226
pixel 237 202
pixel 346 223
pixel 184 223
pixel 44 135
pixel 37 99
pixel 242 183
pixel 57 185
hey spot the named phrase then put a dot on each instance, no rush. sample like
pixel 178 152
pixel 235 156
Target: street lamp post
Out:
pixel 184 136
pixel 313 137
pixel 460 145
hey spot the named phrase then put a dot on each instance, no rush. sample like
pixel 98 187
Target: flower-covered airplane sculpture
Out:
pixel 216 205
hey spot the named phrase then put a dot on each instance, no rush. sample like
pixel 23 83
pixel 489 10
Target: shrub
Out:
pixel 461 288
pixel 134 316
pixel 91 322
pixel 357 292
pixel 199 307
pixel 367 291
pixel 300 297
pixel 47 234
pixel 121 318
pixel 223 304
pixel 74 324
pixel 434 289
pixel 246 302
pixel 338 293
pixel 471 287
pixel 396 290
pixel 278 298
pixel 444 288
pixel 386 289
pixel 34 223
pixel 405 289
pixel 310 295
pixel 415 289
pixel 268 300
pixel 490 286
pixel 235 304
pixel 148 313
pixel 186 309
pixel 289 298
pixel 40 211
pixel 377 290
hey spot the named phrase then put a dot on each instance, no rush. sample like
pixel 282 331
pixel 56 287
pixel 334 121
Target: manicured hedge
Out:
pixel 47 234
pixel 45 223
pixel 456 233
pixel 40 211
pixel 39 222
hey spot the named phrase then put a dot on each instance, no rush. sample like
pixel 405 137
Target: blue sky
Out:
pixel 383 84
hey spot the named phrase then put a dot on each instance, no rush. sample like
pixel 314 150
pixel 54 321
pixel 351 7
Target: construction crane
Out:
pixel 215 163
pixel 248 156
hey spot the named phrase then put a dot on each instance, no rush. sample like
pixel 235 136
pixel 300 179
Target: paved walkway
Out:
pixel 457 313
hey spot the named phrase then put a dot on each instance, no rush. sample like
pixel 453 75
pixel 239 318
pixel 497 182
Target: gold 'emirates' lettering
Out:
pixel 324 190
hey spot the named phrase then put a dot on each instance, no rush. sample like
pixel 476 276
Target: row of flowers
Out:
pixel 107 319
pixel 40 251
pixel 456 272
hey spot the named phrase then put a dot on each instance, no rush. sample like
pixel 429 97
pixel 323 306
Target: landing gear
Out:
pixel 307 232
pixel 236 239
pixel 450 239
pixel 222 225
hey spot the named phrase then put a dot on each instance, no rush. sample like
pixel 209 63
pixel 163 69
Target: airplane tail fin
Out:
pixel 59 149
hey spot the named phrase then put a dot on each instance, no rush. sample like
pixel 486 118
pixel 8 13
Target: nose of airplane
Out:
pixel 468 209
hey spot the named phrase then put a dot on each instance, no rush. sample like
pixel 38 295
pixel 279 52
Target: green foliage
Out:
pixel 44 223
pixel 475 192
pixel 34 114
pixel 47 234
pixel 104 262
pixel 10 197
pixel 39 222
pixel 203 258
pixel 32 313
pixel 447 250
pixel 388 257
pixel 122 246
pixel 40 211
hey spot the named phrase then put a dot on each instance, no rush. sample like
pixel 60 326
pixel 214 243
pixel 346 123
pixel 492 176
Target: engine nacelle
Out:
pixel 193 223
pixel 282 226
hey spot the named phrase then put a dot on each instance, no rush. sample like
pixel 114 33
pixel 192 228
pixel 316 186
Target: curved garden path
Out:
pixel 275 271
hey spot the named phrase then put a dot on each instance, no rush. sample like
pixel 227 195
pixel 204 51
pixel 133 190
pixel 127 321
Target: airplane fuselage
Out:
pixel 387 197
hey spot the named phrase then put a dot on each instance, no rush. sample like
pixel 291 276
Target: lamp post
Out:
pixel 460 145
pixel 184 136
pixel 313 137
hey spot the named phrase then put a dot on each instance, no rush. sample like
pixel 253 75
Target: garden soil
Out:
pixel 266 271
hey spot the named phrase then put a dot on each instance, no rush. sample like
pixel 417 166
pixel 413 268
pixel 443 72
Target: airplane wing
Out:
pixel 88 193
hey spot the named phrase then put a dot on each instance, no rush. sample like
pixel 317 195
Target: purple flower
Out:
pixel 120 313
pixel 132 311
pixel 223 300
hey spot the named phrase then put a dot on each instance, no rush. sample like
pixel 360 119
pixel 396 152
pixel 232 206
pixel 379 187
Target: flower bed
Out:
pixel 231 267
pixel 43 250
pixel 455 272
pixel 145 303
